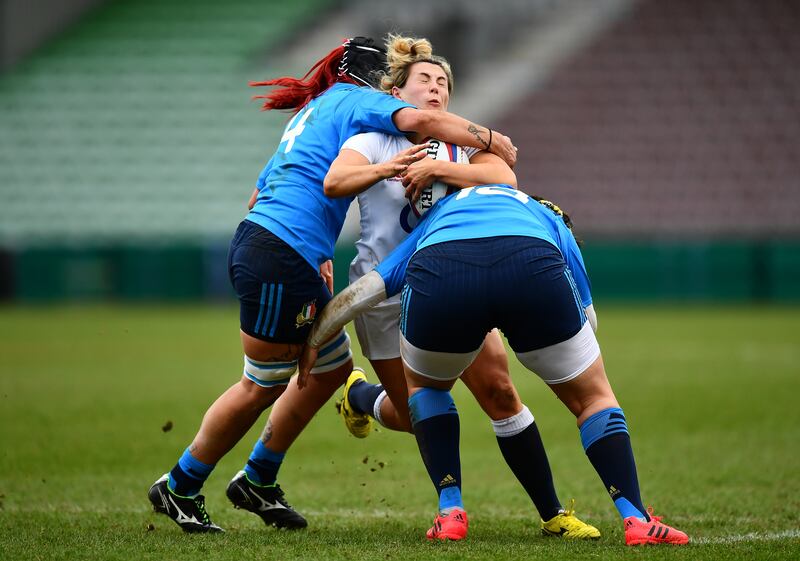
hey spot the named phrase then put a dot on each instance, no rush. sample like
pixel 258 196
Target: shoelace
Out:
pixel 200 503
pixel 569 511
pixel 653 517
pixel 280 496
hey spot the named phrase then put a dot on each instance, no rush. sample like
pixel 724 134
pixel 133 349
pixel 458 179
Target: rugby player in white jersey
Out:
pixel 368 166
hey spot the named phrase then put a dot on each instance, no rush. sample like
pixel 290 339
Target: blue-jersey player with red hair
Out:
pixel 279 268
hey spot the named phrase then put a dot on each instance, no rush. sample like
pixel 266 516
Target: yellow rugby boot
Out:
pixel 568 526
pixel 359 424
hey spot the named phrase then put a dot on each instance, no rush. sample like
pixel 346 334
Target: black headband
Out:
pixel 363 61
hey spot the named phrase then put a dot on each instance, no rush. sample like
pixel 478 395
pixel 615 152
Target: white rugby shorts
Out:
pixel 378 330
pixel 554 364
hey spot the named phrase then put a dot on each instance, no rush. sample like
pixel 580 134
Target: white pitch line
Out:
pixel 752 537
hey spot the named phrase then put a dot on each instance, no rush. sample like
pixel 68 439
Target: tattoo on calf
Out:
pixel 267 434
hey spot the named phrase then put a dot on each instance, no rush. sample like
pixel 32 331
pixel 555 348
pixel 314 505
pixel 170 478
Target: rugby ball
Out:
pixel 438 150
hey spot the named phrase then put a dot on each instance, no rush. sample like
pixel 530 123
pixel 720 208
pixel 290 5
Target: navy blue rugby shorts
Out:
pixel 458 291
pixel 279 293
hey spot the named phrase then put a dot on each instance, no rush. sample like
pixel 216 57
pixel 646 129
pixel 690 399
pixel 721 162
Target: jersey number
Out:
pixel 295 128
pixel 492 190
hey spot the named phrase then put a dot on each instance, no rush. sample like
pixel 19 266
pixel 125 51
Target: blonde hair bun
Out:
pixel 402 52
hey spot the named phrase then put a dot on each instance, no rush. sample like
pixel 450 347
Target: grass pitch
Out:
pixel 711 397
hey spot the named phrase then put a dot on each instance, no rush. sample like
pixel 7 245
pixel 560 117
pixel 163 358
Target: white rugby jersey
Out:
pixel 386 217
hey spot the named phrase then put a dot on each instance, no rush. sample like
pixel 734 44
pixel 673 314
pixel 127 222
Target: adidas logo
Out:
pixel 448 480
pixel 613 491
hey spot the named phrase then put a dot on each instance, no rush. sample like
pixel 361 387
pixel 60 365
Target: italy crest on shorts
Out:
pixel 307 314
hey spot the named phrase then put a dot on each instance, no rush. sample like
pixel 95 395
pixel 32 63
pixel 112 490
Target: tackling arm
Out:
pixel 356 298
pixel 353 300
pixel 374 287
pixel 485 168
pixel 457 130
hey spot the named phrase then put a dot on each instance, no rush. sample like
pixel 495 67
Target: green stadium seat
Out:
pixel 139 120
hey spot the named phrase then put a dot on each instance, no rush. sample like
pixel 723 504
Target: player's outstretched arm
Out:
pixel 385 280
pixel 457 130
pixel 351 172
pixel 353 300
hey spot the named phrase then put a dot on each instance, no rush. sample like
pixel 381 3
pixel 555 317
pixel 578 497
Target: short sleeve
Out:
pixel 470 151
pixel 368 144
pixel 372 111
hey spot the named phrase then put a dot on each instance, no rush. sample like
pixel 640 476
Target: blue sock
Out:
pixel 607 444
pixel 436 428
pixel 362 396
pixel 187 477
pixel 263 465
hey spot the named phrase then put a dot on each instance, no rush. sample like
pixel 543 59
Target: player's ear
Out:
pixel 396 92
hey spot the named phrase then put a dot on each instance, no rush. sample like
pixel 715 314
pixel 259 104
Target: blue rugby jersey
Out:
pixel 291 202
pixel 483 212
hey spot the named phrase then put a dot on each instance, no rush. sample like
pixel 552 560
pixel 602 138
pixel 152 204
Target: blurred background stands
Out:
pixel 669 130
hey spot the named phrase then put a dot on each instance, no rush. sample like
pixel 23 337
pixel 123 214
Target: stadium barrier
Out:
pixel 767 271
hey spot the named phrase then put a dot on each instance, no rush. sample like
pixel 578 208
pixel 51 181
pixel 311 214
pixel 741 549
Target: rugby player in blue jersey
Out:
pixel 276 264
pixel 486 257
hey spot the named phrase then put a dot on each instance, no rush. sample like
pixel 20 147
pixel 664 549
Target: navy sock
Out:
pixel 187 477
pixel 436 428
pixel 607 443
pixel 263 465
pixel 523 450
pixel 362 396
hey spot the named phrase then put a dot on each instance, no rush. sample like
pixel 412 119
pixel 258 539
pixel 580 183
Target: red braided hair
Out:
pixel 296 93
